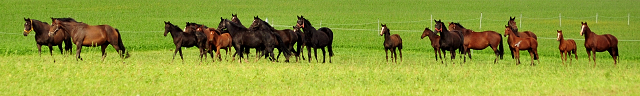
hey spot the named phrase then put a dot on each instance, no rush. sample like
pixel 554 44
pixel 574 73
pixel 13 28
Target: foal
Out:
pixel 521 43
pixel 391 42
pixel 435 41
pixel 566 47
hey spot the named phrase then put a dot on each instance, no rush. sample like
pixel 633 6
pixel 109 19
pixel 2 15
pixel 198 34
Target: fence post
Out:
pixel 596 17
pixel 628 18
pixel 521 20
pixel 480 20
pixel 431 23
pixel 560 17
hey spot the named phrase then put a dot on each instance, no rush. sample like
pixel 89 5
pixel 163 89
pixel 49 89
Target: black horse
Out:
pixel 450 40
pixel 287 36
pixel 183 39
pixel 320 38
pixel 245 38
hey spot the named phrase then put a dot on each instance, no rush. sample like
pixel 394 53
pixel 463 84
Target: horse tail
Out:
pixel 330 34
pixel 500 47
pixel 126 54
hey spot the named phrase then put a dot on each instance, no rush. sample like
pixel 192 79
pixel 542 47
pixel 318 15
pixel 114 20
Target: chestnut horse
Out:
pixel 599 43
pixel 512 24
pixel 183 39
pixel 450 40
pixel 435 42
pixel 315 39
pixel 89 35
pixel 480 40
pixel 391 42
pixel 566 47
pixel 42 37
pixel 522 43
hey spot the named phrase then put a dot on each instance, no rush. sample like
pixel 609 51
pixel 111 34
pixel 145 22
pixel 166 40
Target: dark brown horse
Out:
pixel 288 37
pixel 450 40
pixel 89 35
pixel 183 39
pixel 599 43
pixel 391 42
pixel 300 43
pixel 512 24
pixel 566 47
pixel 42 37
pixel 315 39
pixel 435 41
pixel 480 40
pixel 522 43
pixel 245 38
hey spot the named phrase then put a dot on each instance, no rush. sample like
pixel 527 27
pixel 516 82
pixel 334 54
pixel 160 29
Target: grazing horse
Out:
pixel 391 42
pixel 89 35
pixel 243 38
pixel 599 43
pixel 183 39
pixel 512 24
pixel 522 43
pixel 42 37
pixel 480 40
pixel 300 42
pixel 566 47
pixel 450 40
pixel 319 38
pixel 288 37
pixel 435 41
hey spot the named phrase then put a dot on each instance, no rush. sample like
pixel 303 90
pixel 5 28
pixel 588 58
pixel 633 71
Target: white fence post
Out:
pixel 521 20
pixel 431 21
pixel 560 17
pixel 596 17
pixel 628 18
pixel 480 20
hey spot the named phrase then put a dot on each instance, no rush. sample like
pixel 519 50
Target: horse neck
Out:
pixel 512 36
pixel 387 36
pixel 588 34
pixel 71 28
pixel 433 37
pixel 308 27
pixel 175 32
pixel 40 28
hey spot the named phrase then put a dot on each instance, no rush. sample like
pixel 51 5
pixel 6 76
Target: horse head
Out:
pixel 426 33
pixel 560 36
pixel 384 29
pixel 512 24
pixel 439 25
pixel 507 31
pixel 28 26
pixel 168 27
pixel 584 29
pixel 190 27
pixel 55 26
pixel 296 29
pixel 301 22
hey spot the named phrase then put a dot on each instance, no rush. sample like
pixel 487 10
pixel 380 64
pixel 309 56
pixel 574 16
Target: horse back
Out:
pixel 531 34
pixel 613 41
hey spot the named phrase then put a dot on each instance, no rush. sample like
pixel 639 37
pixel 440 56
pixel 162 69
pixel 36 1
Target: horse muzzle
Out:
pixel 25 33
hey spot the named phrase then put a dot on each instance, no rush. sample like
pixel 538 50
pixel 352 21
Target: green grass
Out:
pixel 358 68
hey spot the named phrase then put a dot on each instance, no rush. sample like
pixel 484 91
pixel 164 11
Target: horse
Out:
pixel 89 35
pixel 566 47
pixel 480 40
pixel 300 43
pixel 215 39
pixel 184 39
pixel 512 24
pixel 288 37
pixel 522 43
pixel 450 40
pixel 43 38
pixel 391 42
pixel 319 38
pixel 599 43
pixel 234 18
pixel 243 38
pixel 435 41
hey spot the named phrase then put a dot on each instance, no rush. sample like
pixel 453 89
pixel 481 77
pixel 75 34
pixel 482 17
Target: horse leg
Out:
pixel 395 55
pixel 613 56
pixel 61 51
pixel 435 52
pixel 218 54
pixel 589 55
pixel 531 53
pixel 39 50
pixel 386 53
pixel 323 55
pixel 315 54
pixel 175 52
pixel 309 53
pixel 400 50
pixel 180 51
pixel 51 49
pixel 594 58
pixel 444 53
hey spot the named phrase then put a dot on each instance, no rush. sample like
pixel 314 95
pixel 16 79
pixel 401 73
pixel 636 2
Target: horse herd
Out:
pixel 262 37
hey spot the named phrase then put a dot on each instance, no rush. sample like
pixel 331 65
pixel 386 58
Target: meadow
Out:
pixel 359 67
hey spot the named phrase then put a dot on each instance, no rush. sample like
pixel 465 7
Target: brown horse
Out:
pixel 184 39
pixel 391 42
pixel 89 35
pixel 522 43
pixel 42 37
pixel 216 39
pixel 566 47
pixel 512 24
pixel 316 38
pixel 435 41
pixel 480 40
pixel 599 43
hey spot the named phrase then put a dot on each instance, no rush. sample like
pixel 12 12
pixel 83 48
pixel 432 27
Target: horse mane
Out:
pixel 66 19
pixel 458 24
pixel 175 27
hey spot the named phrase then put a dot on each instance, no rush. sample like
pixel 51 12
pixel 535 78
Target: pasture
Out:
pixel 358 67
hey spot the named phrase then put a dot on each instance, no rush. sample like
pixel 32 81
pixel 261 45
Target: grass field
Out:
pixel 358 68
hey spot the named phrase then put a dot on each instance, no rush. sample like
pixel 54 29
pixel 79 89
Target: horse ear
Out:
pixel 585 23
pixel 221 19
pixel 506 26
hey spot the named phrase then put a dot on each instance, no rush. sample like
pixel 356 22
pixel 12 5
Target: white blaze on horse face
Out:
pixel 381 31
pixel 582 30
pixel 558 37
